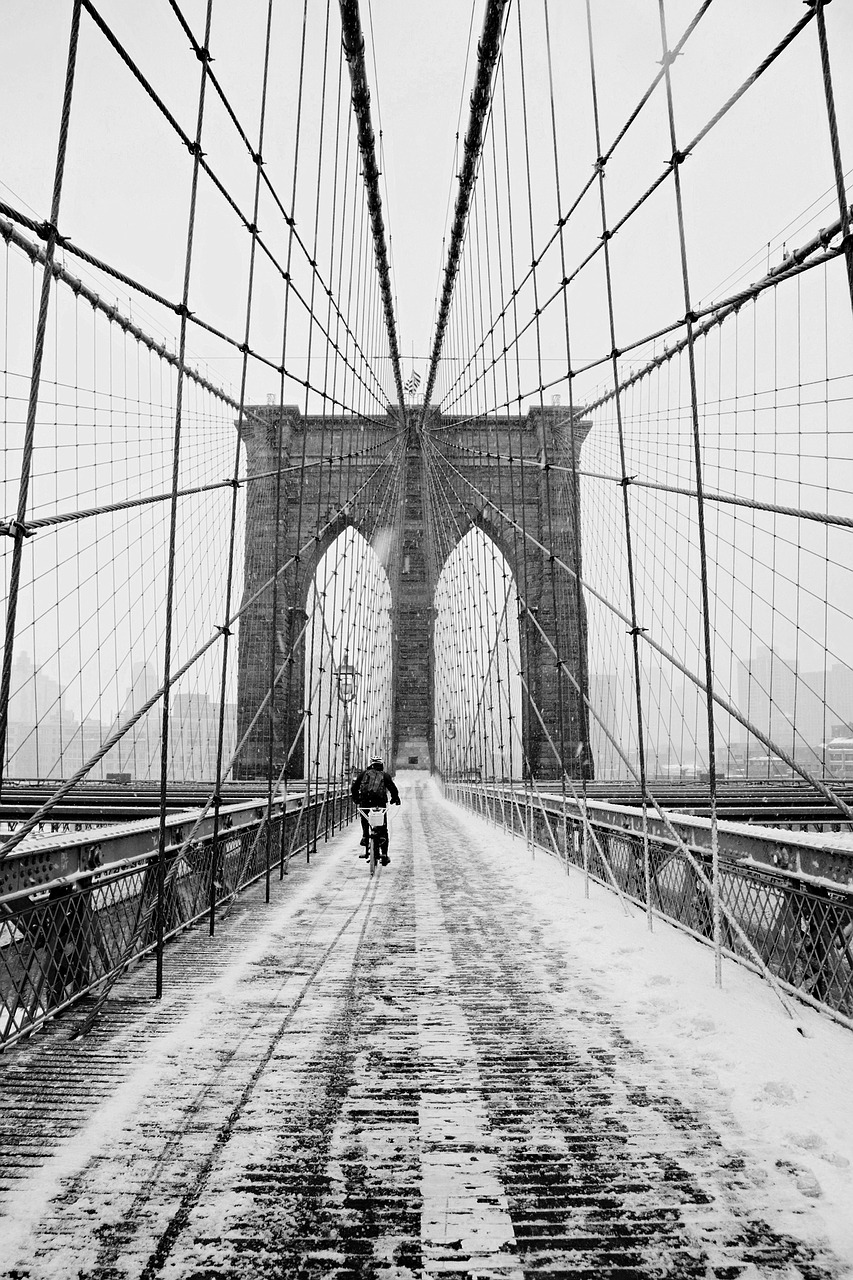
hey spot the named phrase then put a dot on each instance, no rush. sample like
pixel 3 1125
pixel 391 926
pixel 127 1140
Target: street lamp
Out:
pixel 450 734
pixel 347 680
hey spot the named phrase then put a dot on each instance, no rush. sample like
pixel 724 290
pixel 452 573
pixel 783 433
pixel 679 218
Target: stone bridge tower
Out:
pixel 311 493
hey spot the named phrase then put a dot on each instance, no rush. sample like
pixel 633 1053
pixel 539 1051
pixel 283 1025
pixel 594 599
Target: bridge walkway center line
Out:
pixel 424 1075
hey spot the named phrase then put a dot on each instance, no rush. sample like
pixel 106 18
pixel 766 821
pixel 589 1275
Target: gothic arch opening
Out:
pixel 477 682
pixel 348 660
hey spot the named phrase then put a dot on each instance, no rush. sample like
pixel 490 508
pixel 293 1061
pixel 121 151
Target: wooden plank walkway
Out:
pixel 395 1078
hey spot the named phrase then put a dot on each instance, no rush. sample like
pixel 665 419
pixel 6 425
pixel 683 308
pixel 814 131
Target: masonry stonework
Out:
pixel 323 462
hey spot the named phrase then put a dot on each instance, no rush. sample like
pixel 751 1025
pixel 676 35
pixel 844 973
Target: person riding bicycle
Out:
pixel 371 789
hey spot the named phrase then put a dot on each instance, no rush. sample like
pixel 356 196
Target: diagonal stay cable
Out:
pixel 712 315
pixel 487 56
pixel 353 43
pixel 42 229
pixel 669 167
pixel 564 218
pixel 257 159
pixel 247 223
pixel 718 698
pixel 116 736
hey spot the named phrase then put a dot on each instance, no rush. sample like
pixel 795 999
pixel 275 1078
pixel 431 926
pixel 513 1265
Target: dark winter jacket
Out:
pixel 393 794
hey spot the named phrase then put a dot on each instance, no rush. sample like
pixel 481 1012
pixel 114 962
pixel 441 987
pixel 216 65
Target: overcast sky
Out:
pixel 126 188
pixel 761 180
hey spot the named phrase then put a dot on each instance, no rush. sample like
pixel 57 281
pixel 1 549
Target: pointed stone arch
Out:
pixel 545 504
pixel 348 610
pixel 476 660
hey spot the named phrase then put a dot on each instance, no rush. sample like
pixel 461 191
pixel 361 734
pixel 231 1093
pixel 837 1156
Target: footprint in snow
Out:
pixel 776 1092
pixel 804 1180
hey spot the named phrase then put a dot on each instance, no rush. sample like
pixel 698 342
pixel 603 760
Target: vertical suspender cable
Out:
pixel 226 632
pixel 838 167
pixel 700 501
pixel 625 479
pixel 545 447
pixel 487 56
pixel 293 614
pixel 353 42
pixel 309 703
pixel 18 528
pixel 204 58
pixel 583 748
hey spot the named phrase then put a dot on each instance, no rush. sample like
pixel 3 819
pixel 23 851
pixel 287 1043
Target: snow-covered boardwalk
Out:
pixel 462 1068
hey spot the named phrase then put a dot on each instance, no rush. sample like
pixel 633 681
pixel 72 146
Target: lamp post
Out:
pixel 347 679
pixel 450 734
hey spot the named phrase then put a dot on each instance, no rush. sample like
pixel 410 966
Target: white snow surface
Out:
pixel 783 1096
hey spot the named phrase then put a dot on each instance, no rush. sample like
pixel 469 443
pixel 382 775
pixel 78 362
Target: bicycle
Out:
pixel 377 820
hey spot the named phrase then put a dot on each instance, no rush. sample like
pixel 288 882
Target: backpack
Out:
pixel 371 791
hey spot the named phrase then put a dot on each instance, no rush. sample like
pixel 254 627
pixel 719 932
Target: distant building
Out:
pixel 194 736
pixel 41 727
pixel 839 756
pixel 794 709
pixel 46 740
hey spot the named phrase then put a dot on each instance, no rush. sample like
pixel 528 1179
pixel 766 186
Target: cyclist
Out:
pixel 371 789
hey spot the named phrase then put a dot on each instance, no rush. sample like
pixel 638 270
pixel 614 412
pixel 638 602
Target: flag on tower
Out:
pixel 414 381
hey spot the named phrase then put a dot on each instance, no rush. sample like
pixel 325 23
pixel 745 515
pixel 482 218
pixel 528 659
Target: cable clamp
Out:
pixel 606 235
pixel 678 157
pixel 626 480
pixel 224 629
pixel 615 353
pixel 669 58
pixel 203 53
pixel 258 158
pixel 637 631
pixel 252 228
pixel 47 229
pixel 233 484
pixel 194 149
pixel 690 317
pixel 599 163
pixel 181 309
pixel 15 529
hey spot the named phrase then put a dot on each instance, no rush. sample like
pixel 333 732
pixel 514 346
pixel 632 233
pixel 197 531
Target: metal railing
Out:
pixel 786 899
pixel 64 938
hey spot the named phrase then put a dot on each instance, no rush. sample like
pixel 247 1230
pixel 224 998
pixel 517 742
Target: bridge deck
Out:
pixel 461 1068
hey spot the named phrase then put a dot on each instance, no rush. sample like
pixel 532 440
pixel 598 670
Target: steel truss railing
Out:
pixel 62 940
pixel 799 925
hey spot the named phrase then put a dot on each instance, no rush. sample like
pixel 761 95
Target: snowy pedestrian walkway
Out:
pixel 462 1068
